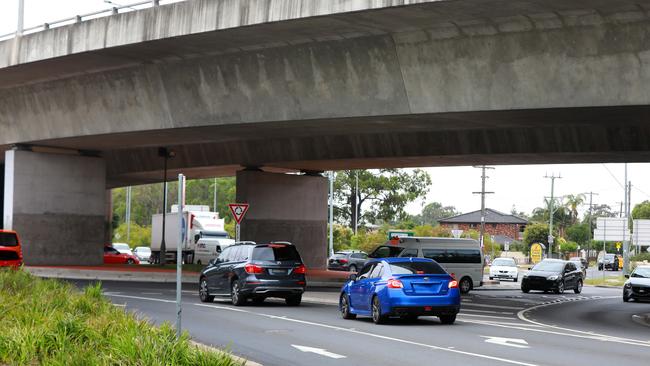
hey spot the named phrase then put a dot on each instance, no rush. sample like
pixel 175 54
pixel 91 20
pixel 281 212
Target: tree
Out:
pixel 561 216
pixel 579 233
pixel 435 211
pixel 536 233
pixel 572 202
pixel 386 191
pixel 598 211
pixel 641 210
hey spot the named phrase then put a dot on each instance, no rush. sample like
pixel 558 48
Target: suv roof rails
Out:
pixel 245 242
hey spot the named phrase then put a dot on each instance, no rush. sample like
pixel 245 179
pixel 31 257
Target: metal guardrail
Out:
pixel 94 15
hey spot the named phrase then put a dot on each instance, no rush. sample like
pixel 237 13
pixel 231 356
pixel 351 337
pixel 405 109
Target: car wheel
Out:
pixel 204 292
pixel 447 319
pixel 235 295
pixel 377 317
pixel 353 268
pixel 491 278
pixel 293 300
pixel 525 290
pixel 600 268
pixel 465 285
pixel 130 261
pixel 344 306
pixel 578 288
pixel 199 262
pixel 626 298
pixel 560 288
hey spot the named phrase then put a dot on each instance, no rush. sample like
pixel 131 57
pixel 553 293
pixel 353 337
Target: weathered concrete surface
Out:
pixel 286 207
pixel 339 84
pixel 56 203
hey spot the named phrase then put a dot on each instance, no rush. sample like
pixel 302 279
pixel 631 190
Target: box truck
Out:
pixel 199 226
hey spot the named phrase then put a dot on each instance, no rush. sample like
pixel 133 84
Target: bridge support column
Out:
pixel 286 207
pixel 56 203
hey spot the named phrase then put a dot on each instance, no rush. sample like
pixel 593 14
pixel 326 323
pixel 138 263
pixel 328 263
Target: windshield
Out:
pixel 416 268
pixel 386 251
pixel 276 252
pixel 504 262
pixel 641 272
pixel 549 266
pixel 8 240
pixel 609 256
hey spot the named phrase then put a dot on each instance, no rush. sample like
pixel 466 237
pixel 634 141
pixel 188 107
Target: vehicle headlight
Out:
pixel 553 278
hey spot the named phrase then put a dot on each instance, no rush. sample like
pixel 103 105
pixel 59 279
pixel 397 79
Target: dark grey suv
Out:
pixel 347 261
pixel 248 270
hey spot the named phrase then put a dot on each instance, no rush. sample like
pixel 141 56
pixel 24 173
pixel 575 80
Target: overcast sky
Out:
pixel 521 186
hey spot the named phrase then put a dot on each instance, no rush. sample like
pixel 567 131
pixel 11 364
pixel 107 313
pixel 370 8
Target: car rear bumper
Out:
pixel 11 263
pixel 338 268
pixel 451 300
pixel 507 276
pixel 425 310
pixel 273 288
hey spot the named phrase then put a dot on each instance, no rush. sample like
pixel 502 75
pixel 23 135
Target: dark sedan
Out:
pixel 253 271
pixel 553 275
pixel 637 287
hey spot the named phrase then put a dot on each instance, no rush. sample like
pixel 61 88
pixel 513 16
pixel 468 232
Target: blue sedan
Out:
pixel 403 287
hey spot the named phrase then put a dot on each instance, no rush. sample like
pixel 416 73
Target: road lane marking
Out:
pixel 488 316
pixel 487 311
pixel 354 331
pixel 494 306
pixel 318 351
pixel 509 342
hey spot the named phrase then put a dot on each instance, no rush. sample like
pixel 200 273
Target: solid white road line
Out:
pixel 354 331
pixel 487 316
pixel 493 306
pixel 486 311
pixel 318 351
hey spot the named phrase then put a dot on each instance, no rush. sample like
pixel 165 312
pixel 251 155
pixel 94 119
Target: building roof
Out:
pixel 491 217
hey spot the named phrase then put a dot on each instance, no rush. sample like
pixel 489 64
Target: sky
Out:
pixel 521 186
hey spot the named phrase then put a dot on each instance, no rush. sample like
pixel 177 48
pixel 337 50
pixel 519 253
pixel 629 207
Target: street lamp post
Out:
pixel 166 154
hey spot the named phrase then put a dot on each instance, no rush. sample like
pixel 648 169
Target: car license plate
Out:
pixel 278 271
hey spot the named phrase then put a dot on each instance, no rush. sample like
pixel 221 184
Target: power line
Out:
pixel 613 176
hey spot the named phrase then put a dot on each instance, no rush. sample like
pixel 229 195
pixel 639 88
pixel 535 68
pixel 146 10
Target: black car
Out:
pixel 553 275
pixel 253 271
pixel 611 262
pixel 347 261
pixel 637 287
pixel 582 265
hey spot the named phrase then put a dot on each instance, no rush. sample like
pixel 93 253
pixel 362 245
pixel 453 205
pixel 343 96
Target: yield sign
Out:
pixel 238 211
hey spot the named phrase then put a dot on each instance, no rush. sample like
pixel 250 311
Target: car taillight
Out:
pixel 392 283
pixel 453 284
pixel 343 261
pixel 301 269
pixel 253 269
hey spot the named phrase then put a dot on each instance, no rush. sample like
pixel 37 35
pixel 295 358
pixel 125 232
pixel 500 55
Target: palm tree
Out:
pixel 572 202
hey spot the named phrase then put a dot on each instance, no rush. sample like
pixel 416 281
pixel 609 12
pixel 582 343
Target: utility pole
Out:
pixel 551 211
pixel 591 229
pixel 356 202
pixel 483 193
pixel 331 215
pixel 626 242
pixel 128 214
pixel 215 195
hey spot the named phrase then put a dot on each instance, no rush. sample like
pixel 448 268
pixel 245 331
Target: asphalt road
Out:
pixel 495 327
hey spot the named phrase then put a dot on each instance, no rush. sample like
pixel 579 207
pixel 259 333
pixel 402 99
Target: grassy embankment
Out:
pixel 607 281
pixel 49 322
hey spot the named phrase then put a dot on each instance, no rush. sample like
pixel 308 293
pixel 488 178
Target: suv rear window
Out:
pixel 416 268
pixel 275 252
pixel 8 240
pixel 386 252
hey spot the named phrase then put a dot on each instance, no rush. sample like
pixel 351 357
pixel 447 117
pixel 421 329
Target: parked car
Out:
pixel 114 256
pixel 123 248
pixel 553 275
pixel 582 265
pixel 404 287
pixel 504 268
pixel 611 262
pixel 247 270
pixel 347 261
pixel 637 287
pixel 11 254
pixel 143 253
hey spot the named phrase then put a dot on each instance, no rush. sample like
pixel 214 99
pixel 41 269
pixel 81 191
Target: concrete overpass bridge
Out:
pixel 307 85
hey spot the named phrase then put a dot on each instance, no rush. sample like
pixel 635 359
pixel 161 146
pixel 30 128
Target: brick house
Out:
pixel 500 226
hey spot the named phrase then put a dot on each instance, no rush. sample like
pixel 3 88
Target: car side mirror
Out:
pixel 627 276
pixel 530 268
pixel 353 277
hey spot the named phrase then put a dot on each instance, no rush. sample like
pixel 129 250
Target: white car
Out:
pixel 504 268
pixel 123 248
pixel 143 253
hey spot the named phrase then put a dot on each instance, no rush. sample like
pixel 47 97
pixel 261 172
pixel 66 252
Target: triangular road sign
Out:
pixel 238 210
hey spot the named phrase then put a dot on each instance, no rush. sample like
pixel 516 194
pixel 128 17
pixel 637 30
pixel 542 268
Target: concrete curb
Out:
pixel 241 360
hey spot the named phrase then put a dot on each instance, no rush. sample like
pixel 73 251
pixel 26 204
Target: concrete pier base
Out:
pixel 286 207
pixel 56 203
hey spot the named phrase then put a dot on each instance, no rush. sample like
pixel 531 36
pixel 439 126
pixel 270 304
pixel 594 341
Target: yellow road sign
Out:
pixel 536 252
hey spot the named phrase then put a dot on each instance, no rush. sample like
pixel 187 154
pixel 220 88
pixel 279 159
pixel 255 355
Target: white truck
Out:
pixel 204 235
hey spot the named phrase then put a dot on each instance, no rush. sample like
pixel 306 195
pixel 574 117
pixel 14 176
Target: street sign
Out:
pixel 618 245
pixel 456 233
pixel 238 211
pixel 641 232
pixel 611 229
pixel 536 251
pixel 506 246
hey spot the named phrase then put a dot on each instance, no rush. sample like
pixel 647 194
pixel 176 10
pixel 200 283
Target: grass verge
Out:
pixel 608 281
pixel 49 322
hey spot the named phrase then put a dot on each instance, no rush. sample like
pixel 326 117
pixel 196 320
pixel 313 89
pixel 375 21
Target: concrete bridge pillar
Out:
pixel 285 207
pixel 56 203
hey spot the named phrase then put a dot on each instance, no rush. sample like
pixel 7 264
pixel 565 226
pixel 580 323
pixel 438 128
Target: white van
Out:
pixel 462 258
pixel 210 248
